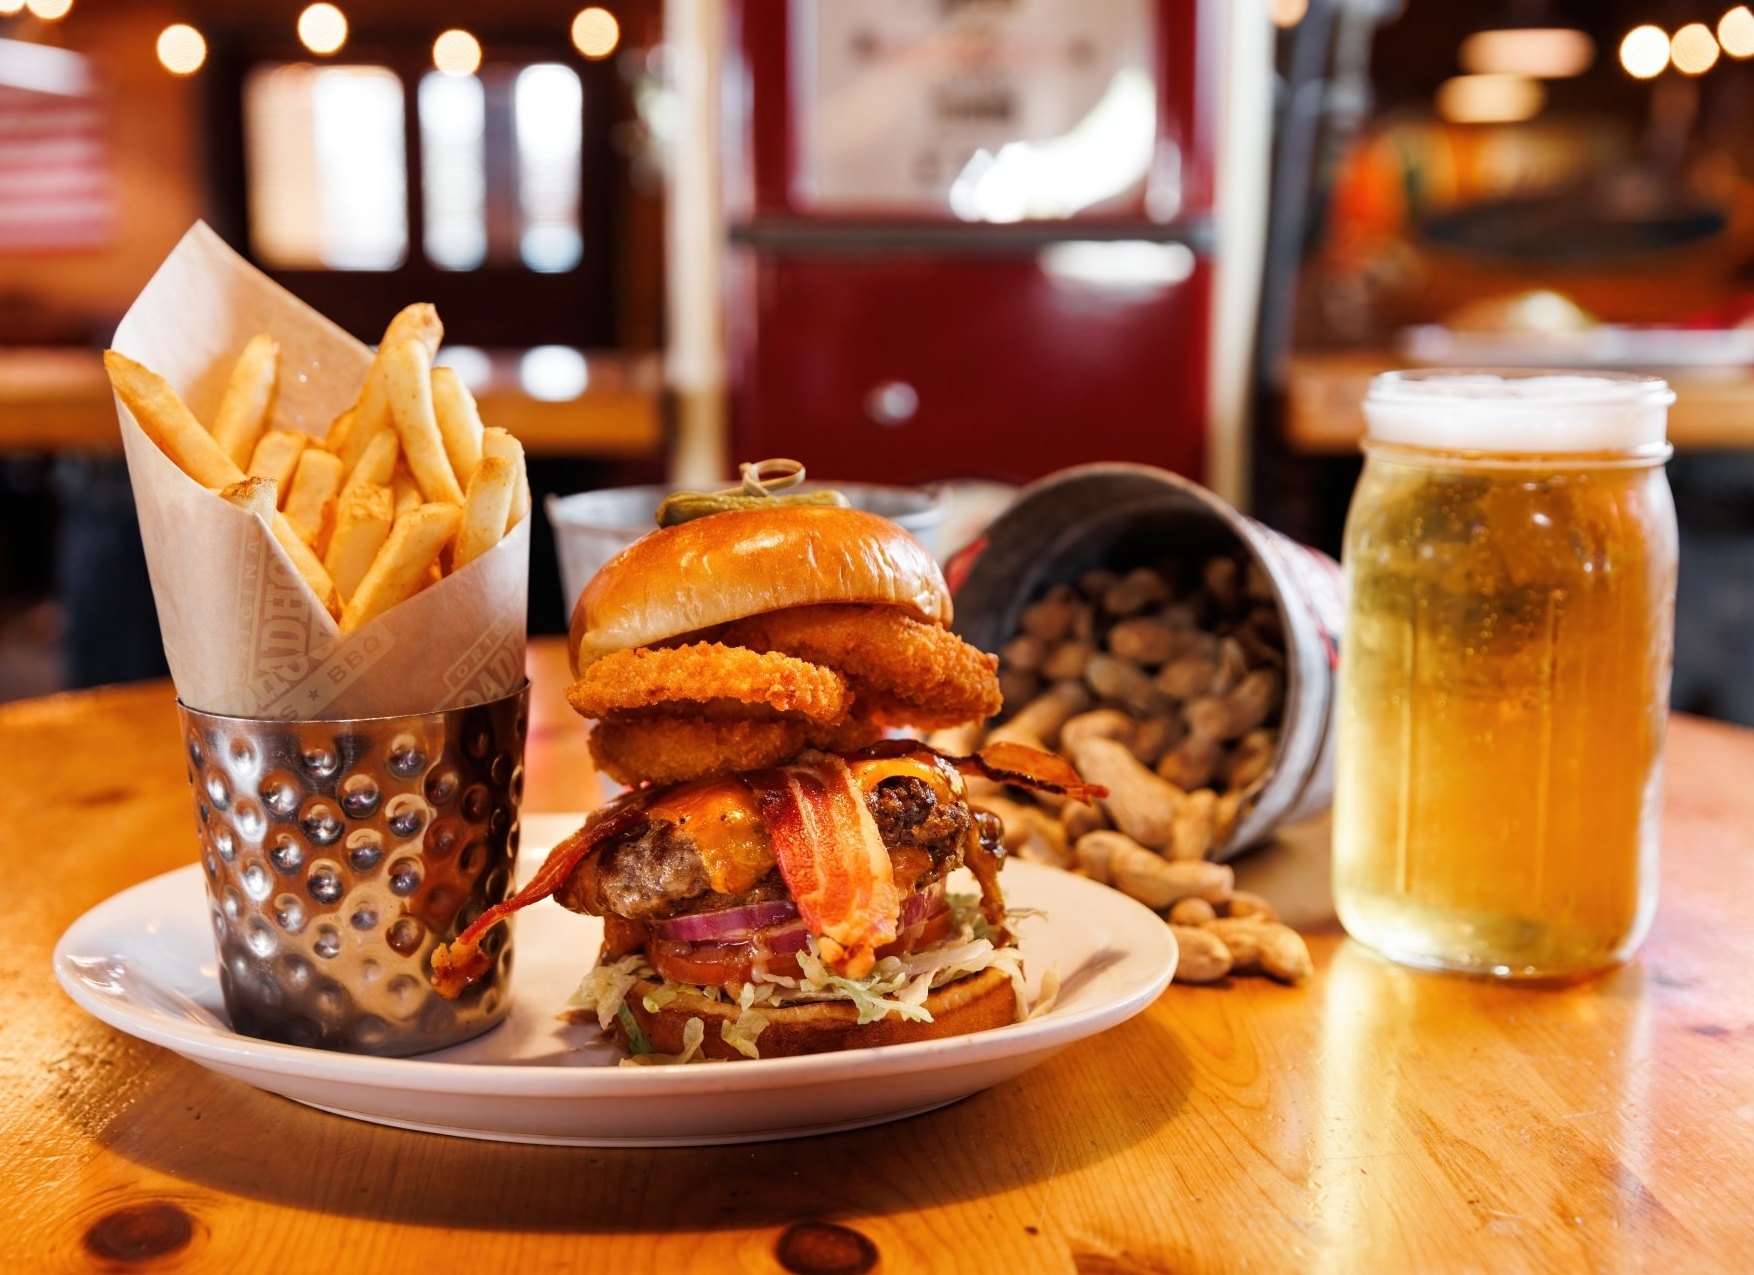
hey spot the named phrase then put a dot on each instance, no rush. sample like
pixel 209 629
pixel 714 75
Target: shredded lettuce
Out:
pixel 742 1034
pixel 693 1034
pixel 896 985
pixel 605 987
pixel 636 1039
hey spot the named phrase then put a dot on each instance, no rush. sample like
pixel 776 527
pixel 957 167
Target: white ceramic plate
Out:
pixel 143 962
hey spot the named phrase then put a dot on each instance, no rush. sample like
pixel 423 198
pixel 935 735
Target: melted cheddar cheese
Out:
pixel 945 783
pixel 720 818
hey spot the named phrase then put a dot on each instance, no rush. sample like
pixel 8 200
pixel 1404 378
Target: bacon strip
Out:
pixel 1004 763
pixel 1027 767
pixel 461 962
pixel 832 858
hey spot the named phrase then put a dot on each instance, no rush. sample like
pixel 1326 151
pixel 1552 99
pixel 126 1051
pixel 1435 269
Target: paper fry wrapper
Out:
pixel 243 633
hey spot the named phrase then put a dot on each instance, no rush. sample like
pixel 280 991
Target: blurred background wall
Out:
pixel 907 241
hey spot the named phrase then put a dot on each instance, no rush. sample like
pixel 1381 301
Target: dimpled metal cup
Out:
pixel 339 854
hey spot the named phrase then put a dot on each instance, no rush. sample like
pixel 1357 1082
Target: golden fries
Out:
pixel 276 457
pixel 404 490
pixel 376 464
pixel 402 565
pixel 375 511
pixel 408 377
pixel 254 495
pixel 371 412
pixel 459 421
pixel 311 503
pixel 497 442
pixel 243 412
pixel 169 423
pixel 362 522
pixel 484 513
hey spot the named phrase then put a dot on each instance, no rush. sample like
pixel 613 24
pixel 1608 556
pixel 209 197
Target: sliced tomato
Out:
pixel 920 934
pixel 713 964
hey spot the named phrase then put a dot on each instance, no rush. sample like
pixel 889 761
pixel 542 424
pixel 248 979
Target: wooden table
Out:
pixel 1377 1120
pixel 1324 394
pixel 58 400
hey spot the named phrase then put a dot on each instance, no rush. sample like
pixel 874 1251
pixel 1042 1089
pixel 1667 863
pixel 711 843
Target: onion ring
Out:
pixel 683 676
pixel 905 673
pixel 633 748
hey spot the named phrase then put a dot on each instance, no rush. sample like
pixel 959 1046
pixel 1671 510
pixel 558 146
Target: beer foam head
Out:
pixel 1538 413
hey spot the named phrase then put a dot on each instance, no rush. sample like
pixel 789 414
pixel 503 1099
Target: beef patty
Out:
pixel 654 871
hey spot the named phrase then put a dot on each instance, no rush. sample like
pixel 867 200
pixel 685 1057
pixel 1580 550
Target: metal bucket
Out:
pixel 593 526
pixel 1121 516
pixel 339 854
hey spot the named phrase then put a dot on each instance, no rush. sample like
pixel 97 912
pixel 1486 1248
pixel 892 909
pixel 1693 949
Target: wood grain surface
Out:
pixel 1376 1120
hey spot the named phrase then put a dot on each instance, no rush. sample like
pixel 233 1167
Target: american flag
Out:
pixel 57 187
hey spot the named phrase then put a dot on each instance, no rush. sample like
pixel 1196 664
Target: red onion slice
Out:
pixel 922 905
pixel 730 924
pixel 737 924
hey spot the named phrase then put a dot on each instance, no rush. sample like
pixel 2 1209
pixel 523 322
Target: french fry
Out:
pixel 459 421
pixel 408 379
pixel 404 490
pixel 485 511
pixel 362 522
pixel 243 411
pixel 253 495
pixel 376 463
pixel 311 502
pixel 402 565
pixel 336 439
pixel 276 457
pixel 371 412
pixel 169 423
pixel 308 565
pixel 497 442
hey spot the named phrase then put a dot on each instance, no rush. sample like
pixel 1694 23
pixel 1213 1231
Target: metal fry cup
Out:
pixel 339 854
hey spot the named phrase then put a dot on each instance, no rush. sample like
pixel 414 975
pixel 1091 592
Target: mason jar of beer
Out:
pixel 1510 553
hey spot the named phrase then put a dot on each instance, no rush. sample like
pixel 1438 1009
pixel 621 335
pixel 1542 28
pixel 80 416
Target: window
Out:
pixel 329 183
pixel 365 183
pixel 548 101
pixel 327 176
pixel 453 127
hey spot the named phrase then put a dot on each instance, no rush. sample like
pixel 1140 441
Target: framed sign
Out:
pixel 981 110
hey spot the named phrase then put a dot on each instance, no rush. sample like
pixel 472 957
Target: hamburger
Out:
pixel 776 879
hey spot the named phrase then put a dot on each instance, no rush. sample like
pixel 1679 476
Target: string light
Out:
pixel 48 10
pixel 1644 52
pixel 456 52
pixel 1735 31
pixel 1694 49
pixel 322 28
pixel 595 32
pixel 10 7
pixel 181 49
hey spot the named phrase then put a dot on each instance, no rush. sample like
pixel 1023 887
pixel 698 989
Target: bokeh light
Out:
pixel 456 52
pixel 1644 52
pixel 1694 49
pixel 595 32
pixel 181 49
pixel 322 28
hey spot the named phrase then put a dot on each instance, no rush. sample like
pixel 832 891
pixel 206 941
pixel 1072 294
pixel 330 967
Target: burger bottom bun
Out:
pixel 971 1004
